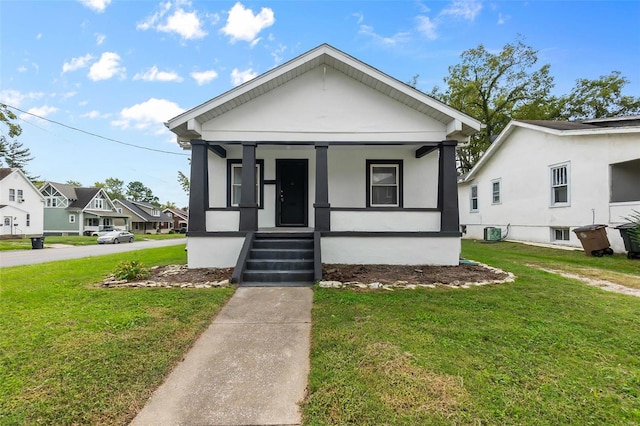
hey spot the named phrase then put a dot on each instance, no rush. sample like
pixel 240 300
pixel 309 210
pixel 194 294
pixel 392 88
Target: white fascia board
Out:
pixel 494 147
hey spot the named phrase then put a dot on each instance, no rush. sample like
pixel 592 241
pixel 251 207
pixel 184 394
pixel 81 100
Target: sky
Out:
pixel 94 81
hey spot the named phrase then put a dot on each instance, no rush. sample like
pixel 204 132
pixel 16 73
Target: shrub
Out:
pixel 131 270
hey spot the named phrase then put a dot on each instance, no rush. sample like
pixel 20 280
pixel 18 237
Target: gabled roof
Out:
pixel 557 128
pixel 179 212
pixel 187 126
pixel 5 172
pixel 79 197
pixel 135 207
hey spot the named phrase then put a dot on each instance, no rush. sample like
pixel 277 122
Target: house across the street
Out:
pixel 180 219
pixel 143 218
pixel 539 180
pixel 21 206
pixel 71 210
pixel 323 159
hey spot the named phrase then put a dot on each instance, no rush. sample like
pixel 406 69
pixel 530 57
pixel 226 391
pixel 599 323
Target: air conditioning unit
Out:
pixel 492 234
pixel 21 200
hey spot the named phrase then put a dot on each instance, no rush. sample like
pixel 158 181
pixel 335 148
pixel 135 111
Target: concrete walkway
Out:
pixel 249 367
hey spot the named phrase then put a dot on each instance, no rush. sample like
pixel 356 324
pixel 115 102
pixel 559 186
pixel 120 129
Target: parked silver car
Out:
pixel 115 237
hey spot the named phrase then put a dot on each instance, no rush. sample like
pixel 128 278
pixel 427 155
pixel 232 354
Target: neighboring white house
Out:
pixel 331 146
pixel 21 205
pixel 542 179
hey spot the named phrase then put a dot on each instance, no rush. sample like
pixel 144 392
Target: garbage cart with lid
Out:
pixel 594 240
pixel 631 239
pixel 37 243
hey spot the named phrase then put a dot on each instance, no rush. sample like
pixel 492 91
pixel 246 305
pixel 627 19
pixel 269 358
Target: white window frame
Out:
pixel 557 180
pixel 473 198
pixel 397 184
pixel 565 232
pixel 494 193
pixel 28 220
pixel 72 218
pixel 12 194
pixel 233 184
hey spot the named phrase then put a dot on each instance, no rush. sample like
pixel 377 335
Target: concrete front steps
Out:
pixel 280 259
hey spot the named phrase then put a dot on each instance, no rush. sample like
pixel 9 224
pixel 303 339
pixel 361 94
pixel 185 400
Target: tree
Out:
pixel 12 152
pixel 7 117
pixel 73 183
pixel 136 191
pixel 114 187
pixel 489 86
pixel 169 205
pixel 184 182
pixel 599 98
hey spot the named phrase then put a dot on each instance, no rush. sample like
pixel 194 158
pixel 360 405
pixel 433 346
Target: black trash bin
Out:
pixel 631 243
pixel 37 243
pixel 594 240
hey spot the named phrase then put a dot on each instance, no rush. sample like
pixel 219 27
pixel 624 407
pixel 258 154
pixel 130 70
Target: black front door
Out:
pixel 291 192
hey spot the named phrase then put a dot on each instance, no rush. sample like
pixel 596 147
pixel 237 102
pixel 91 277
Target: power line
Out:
pixel 96 135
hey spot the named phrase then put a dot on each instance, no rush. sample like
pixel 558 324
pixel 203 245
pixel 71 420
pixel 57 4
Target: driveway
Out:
pixel 29 257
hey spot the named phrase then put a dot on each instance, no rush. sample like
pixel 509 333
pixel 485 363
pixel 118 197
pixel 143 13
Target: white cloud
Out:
pixel 386 41
pixel 359 17
pixel 154 75
pixel 186 24
pixel 204 77
pixel 92 114
pixel 238 77
pixel 39 36
pixel 22 68
pixel 42 111
pixel 278 53
pixel 463 9
pixel 15 98
pixel 108 66
pixel 100 38
pixel 151 114
pixel 503 18
pixel 427 27
pixel 96 5
pixel 77 63
pixel 242 24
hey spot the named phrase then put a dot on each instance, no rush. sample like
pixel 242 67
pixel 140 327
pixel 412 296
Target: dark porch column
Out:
pixel 448 187
pixel 248 205
pixel 322 206
pixel 199 187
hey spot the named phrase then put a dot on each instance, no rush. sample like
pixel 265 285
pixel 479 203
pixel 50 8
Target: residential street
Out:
pixel 28 257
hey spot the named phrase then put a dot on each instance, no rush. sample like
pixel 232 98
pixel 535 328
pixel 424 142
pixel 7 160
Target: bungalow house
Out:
pixel 71 210
pixel 541 179
pixel 323 159
pixel 21 206
pixel 180 219
pixel 143 218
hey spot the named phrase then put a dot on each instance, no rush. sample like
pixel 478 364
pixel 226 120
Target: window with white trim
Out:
pixel 560 185
pixel 235 182
pixel 72 218
pixel 560 234
pixel 12 194
pixel 384 183
pixel 473 198
pixel 28 220
pixel 20 195
pixel 495 191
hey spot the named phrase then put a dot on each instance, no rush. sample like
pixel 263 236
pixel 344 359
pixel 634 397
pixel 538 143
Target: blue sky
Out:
pixel 119 69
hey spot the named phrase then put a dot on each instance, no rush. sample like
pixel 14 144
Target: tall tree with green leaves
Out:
pixel 489 86
pixel 599 98
pixel 183 180
pixel 114 187
pixel 137 191
pixel 12 153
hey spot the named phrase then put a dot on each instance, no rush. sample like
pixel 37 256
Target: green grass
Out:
pixel 72 353
pixel 544 350
pixel 74 240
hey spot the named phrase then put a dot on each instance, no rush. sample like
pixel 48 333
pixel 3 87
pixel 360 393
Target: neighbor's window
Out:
pixel 235 182
pixel 495 191
pixel 28 219
pixel 12 194
pixel 72 218
pixel 20 195
pixel 473 202
pixel 384 183
pixel 560 185
pixel 560 234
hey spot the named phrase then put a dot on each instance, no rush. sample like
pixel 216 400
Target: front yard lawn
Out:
pixel 72 353
pixel 74 240
pixel 542 350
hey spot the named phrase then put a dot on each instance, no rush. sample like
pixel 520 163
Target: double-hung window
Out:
pixel 473 198
pixel 560 185
pixel 495 191
pixel 235 182
pixel 384 183
pixel 12 194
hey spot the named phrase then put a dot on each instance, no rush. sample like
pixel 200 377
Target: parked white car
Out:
pixel 115 237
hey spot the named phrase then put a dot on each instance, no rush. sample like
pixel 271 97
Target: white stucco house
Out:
pixel 541 179
pixel 21 205
pixel 344 162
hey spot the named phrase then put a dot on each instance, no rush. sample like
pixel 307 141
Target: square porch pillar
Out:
pixel 448 187
pixel 198 191
pixel 321 206
pixel 248 204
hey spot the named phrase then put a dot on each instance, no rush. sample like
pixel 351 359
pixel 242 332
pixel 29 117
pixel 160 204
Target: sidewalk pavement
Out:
pixel 249 367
